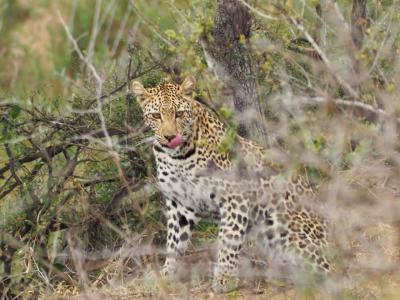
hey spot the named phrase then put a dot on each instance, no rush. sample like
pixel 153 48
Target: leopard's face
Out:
pixel 167 110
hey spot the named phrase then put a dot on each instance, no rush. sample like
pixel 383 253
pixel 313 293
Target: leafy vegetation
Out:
pixel 79 207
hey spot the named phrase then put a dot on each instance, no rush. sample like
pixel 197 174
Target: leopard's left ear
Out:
pixel 188 85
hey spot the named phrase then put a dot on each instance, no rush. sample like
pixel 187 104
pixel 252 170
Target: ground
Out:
pixel 146 283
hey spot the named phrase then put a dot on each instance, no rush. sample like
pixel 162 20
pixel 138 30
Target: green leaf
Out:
pixel 14 112
pixel 60 267
pixel 226 112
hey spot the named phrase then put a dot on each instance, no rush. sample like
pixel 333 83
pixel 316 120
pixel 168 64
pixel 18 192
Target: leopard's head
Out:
pixel 167 110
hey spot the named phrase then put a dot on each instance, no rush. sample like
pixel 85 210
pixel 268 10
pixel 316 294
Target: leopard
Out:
pixel 200 179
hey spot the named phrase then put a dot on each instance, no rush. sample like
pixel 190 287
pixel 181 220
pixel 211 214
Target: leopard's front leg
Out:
pixel 181 223
pixel 231 236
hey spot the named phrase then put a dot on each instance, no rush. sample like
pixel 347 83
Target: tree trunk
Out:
pixel 227 54
pixel 359 21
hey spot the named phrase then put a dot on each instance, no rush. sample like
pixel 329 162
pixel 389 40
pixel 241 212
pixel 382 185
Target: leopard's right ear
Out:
pixel 140 92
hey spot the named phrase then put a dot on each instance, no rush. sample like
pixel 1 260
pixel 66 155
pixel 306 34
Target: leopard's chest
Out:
pixel 178 180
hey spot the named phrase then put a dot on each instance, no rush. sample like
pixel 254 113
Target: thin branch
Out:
pixel 52 150
pixel 68 172
pixel 95 31
pixel 77 49
pixel 152 27
pixel 365 108
pixel 9 190
pixel 11 160
pixel 353 93
pixel 56 149
pixel 124 84
pixel 99 109
pixel 258 12
pixel 99 181
pixel 29 177
pixel 120 194
pixel 120 31
pixel 18 245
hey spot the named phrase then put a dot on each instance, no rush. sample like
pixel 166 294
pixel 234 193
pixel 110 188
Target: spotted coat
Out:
pixel 198 179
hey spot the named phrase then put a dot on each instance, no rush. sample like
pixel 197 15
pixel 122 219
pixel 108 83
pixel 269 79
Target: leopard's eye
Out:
pixel 179 114
pixel 156 115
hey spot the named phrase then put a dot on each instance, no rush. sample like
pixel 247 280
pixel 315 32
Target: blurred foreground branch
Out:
pixel 367 111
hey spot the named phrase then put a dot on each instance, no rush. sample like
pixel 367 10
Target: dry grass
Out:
pixel 119 280
pixel 353 162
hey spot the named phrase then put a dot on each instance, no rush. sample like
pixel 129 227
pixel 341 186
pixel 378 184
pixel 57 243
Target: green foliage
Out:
pixel 48 100
pixel 206 231
pixel 229 140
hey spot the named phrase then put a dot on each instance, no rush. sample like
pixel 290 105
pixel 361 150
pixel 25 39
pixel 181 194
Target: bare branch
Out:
pixel 257 11
pixel 95 31
pixel 56 149
pixel 366 109
pixel 353 93
pixel 18 245
pixel 11 160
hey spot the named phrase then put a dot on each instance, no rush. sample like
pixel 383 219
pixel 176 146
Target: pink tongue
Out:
pixel 177 140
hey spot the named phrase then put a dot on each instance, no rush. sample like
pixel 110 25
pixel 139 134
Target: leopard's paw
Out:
pixel 225 284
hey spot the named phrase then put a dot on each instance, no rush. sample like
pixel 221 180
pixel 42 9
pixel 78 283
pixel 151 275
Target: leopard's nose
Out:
pixel 170 137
